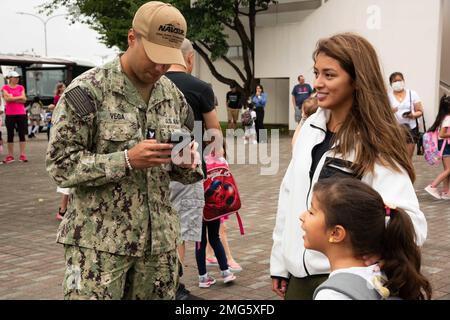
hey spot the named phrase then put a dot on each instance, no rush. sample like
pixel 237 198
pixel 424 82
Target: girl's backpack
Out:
pixel 432 153
pixel 353 286
pixel 221 193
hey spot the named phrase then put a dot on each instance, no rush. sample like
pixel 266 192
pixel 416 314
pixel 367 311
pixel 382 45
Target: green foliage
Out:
pixel 207 22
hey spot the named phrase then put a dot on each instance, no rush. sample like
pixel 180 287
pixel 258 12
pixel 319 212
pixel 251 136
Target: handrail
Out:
pixel 445 85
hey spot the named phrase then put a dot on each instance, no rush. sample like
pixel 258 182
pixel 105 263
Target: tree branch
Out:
pixel 211 66
pixel 246 47
pixel 229 25
pixel 235 67
pixel 226 59
pixel 243 13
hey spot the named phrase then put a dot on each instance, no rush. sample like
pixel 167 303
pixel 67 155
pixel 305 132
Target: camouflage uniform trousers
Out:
pixel 97 275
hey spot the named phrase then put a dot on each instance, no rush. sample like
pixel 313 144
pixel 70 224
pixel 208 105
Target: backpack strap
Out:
pixel 352 285
pixel 444 143
pixel 241 226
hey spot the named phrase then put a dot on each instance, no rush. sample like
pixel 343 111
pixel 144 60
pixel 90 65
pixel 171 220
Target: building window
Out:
pixel 234 52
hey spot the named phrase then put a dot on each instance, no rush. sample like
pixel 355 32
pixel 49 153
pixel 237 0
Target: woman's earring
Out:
pixel 331 240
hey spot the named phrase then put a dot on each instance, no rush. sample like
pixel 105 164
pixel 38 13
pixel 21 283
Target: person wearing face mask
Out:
pixel 407 107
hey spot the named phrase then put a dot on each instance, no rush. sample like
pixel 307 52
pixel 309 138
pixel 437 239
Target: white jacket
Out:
pixel 289 255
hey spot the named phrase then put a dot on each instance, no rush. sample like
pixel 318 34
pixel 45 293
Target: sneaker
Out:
pixel 23 158
pixel 211 262
pixel 60 215
pixel 234 267
pixel 206 281
pixel 185 294
pixel 445 195
pixel 227 276
pixel 433 191
pixel 8 159
pixel 245 142
pixel 255 142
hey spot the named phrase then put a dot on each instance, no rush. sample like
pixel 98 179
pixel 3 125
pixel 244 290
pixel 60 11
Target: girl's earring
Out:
pixel 331 240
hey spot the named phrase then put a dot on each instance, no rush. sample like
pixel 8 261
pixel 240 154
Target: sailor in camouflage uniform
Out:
pixel 109 143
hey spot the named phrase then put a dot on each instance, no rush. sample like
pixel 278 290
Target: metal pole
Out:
pixel 45 35
pixel 45 24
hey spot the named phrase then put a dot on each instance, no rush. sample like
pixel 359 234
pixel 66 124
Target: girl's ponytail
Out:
pixel 402 258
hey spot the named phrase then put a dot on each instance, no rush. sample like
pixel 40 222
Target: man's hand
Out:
pixel 149 153
pixel 279 286
pixel 187 161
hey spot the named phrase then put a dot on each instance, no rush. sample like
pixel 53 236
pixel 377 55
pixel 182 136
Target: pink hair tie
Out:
pixel 388 211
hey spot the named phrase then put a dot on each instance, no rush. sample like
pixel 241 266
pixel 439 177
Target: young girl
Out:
pixel 204 279
pixel 353 134
pixel 250 131
pixel 442 123
pixel 346 230
pixel 35 111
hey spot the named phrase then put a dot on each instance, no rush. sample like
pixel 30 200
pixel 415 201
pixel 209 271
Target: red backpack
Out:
pixel 221 193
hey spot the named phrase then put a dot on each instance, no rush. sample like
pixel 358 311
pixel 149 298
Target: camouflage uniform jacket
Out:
pixel 111 207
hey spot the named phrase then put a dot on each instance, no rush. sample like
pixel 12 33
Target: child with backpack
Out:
pixel 248 118
pixel 221 199
pixel 348 222
pixel 35 111
pixel 440 131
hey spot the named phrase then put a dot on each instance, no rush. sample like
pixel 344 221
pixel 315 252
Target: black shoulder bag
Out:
pixel 418 134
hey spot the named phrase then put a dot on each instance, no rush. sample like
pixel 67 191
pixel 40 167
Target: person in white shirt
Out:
pixel 442 125
pixel 407 107
pixel 348 220
pixel 353 134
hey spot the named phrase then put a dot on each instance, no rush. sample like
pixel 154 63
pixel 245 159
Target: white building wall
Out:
pixel 278 102
pixel 406 33
pixel 202 72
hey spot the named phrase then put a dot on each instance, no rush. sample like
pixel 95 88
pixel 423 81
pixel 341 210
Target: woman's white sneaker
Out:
pixel 433 191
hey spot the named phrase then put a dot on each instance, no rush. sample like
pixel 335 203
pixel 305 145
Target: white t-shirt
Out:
pixel 368 273
pixel 445 124
pixel 406 105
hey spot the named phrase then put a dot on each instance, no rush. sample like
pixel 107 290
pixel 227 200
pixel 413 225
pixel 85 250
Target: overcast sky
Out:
pixel 24 33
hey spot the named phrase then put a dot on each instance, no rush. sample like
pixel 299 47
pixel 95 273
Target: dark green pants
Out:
pixel 303 288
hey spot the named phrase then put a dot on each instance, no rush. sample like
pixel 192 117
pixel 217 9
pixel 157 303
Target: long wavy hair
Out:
pixel 365 223
pixel 370 129
pixel 444 110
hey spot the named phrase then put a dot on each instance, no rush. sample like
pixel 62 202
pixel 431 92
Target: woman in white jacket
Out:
pixel 354 133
